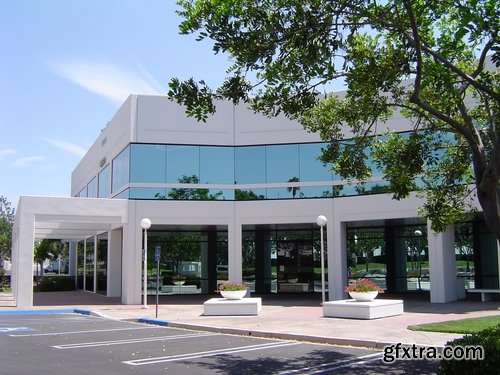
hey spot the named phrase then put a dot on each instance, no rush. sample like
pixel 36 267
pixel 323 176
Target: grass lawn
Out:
pixel 471 325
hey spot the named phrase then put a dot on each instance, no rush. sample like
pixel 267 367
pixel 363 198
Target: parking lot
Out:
pixel 80 344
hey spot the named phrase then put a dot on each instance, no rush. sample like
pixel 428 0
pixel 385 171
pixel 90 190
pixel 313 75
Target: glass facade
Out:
pixel 104 182
pixel 292 170
pixel 121 170
pixel 191 261
pixel 282 258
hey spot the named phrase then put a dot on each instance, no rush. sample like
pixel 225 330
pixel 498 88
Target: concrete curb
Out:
pixel 274 335
pixel 46 312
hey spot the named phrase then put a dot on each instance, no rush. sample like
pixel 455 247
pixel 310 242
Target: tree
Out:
pixel 6 220
pixel 293 189
pixel 432 61
pixel 191 193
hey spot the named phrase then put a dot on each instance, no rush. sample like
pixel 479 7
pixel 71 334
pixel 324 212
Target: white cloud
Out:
pixel 21 162
pixel 7 152
pixel 106 79
pixel 67 146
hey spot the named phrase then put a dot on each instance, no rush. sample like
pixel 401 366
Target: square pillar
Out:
pixel 22 259
pixel 442 269
pixel 337 259
pixel 114 281
pixel 235 257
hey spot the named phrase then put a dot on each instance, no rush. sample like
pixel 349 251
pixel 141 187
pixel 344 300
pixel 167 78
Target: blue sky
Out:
pixel 66 67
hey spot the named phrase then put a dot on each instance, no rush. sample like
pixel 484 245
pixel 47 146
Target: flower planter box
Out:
pixel 349 308
pixel 223 306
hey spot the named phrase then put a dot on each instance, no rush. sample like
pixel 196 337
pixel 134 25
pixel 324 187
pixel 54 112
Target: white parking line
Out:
pixel 319 369
pixel 87 331
pixel 131 341
pixel 209 353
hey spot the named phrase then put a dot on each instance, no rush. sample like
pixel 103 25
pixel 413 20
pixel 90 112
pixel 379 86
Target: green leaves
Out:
pixel 423 59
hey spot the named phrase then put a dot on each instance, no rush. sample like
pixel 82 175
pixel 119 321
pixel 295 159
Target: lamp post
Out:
pixel 145 224
pixel 321 221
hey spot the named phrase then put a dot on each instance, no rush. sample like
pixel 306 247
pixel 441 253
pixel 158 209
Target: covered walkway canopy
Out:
pixel 65 218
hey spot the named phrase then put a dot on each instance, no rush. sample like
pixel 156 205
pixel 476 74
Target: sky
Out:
pixel 65 69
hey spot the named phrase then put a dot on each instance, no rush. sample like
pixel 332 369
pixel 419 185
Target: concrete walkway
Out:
pixel 284 316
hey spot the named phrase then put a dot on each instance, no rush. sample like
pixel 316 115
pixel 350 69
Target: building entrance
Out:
pixel 282 258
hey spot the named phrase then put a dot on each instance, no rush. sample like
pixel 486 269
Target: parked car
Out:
pixel 54 267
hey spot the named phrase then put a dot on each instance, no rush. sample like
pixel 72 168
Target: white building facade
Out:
pixel 237 198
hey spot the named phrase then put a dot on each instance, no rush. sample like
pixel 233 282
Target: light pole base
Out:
pixel 145 307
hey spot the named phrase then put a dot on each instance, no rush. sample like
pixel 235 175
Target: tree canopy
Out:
pixel 434 62
pixel 6 221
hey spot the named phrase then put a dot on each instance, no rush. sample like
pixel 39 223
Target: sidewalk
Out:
pixel 286 317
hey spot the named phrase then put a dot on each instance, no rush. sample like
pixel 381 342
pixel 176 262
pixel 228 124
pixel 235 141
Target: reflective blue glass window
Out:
pixel 123 195
pixel 282 163
pixel 148 193
pixel 183 163
pixel 83 193
pixel 104 183
pixel 121 169
pixel 283 193
pixel 250 164
pixel 312 169
pixel 316 192
pixel 216 165
pixel 249 194
pixel 92 188
pixel 148 163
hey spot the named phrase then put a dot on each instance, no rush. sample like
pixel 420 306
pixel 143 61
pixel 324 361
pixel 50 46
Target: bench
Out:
pixel 486 294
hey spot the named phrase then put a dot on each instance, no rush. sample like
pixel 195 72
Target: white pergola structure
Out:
pixel 68 219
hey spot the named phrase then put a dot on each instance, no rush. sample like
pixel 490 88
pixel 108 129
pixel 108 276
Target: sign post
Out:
pixel 157 258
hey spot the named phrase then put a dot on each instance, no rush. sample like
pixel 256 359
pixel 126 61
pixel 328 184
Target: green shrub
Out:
pixel 56 283
pixel 489 339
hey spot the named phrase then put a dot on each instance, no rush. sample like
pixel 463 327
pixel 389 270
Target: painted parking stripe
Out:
pixel 78 332
pixel 209 353
pixel 131 341
pixel 329 367
pixel 12 329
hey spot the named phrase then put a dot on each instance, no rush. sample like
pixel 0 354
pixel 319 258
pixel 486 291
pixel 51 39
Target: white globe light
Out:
pixel 418 233
pixel 145 223
pixel 321 220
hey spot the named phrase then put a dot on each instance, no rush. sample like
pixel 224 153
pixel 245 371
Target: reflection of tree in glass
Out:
pixel 189 193
pixel 362 244
pixel 246 195
pixel 464 243
pixel 375 189
pixel 293 189
pixel 176 250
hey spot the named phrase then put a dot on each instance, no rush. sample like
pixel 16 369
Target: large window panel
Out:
pixel 148 193
pixel 250 165
pixel 282 163
pixel 216 165
pixel 104 183
pixel 92 188
pixel 312 169
pixel 121 169
pixel 148 163
pixel 183 164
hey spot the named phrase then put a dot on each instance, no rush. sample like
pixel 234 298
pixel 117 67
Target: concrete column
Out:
pixel 337 259
pixel 22 261
pixel 132 259
pixel 442 269
pixel 114 281
pixel 234 255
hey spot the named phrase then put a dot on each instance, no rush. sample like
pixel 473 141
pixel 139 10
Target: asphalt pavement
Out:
pixel 286 316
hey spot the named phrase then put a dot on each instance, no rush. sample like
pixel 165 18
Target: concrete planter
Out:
pixel 233 294
pixel 364 296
